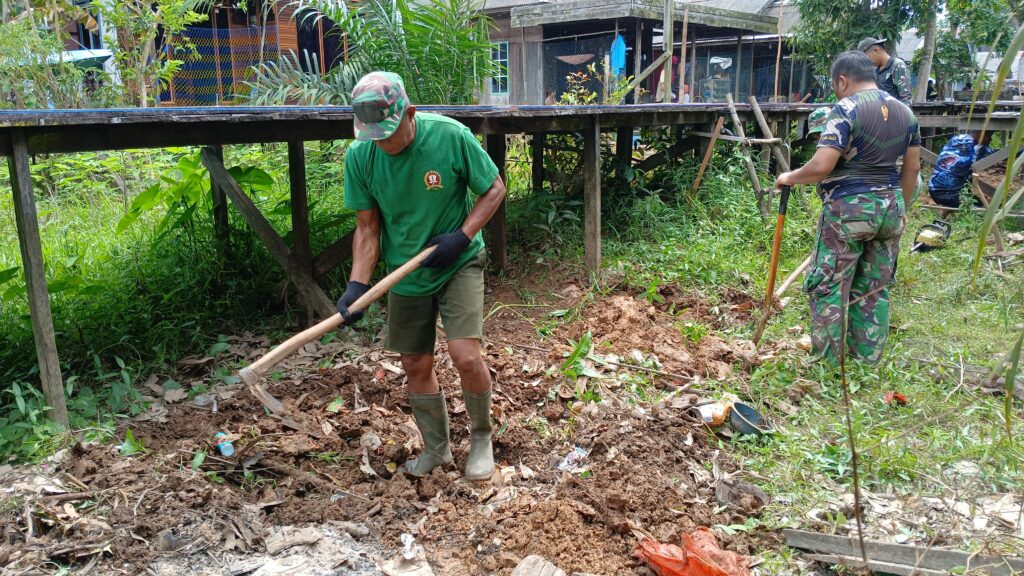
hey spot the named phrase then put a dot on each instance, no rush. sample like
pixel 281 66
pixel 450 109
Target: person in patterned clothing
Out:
pixel 891 73
pixel 864 204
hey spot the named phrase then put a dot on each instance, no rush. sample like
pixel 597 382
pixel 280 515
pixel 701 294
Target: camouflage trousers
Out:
pixel 853 265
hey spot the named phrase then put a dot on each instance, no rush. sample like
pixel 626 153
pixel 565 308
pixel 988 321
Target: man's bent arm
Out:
pixel 908 178
pixel 365 245
pixel 816 169
pixel 486 205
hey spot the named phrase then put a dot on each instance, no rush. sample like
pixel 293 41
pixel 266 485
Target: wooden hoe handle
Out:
pixel 258 368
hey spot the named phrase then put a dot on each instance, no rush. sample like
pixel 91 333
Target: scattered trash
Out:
pixel 741 495
pixel 284 539
pixel 203 400
pixel 224 445
pixel 573 462
pixel 536 566
pixel 714 413
pixel 895 397
pixel 745 420
pixel 699 556
pixel 410 562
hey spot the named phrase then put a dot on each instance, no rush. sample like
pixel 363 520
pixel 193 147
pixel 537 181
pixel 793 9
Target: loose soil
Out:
pixel 651 464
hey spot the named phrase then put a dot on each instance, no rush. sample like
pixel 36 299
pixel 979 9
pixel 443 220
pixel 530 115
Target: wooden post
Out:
pixel 221 227
pixel 35 278
pixel 216 56
pixel 693 71
pixel 537 167
pixel 300 213
pixel 496 147
pixel 592 194
pixel 766 131
pixel 755 181
pixel 682 56
pixel 739 62
pixel 997 236
pixel 300 276
pixel 624 145
pixel 668 37
pixel 778 59
pixel 637 58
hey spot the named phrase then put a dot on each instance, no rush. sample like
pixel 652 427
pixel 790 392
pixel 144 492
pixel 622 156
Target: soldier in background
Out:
pixel 891 73
pixel 864 205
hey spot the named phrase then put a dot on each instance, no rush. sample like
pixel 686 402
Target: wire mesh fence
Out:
pixel 217 64
pixel 567 67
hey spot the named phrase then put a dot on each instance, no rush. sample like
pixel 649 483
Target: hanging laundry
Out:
pixel 618 55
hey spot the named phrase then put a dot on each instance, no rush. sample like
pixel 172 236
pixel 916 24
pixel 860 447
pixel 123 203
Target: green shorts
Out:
pixel 412 320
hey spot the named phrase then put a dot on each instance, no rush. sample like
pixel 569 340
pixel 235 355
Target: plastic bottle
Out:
pixel 224 445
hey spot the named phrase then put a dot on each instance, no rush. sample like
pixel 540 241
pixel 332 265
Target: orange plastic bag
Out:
pixel 701 557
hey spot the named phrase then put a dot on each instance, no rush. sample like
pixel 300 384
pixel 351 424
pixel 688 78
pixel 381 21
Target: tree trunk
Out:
pixel 925 69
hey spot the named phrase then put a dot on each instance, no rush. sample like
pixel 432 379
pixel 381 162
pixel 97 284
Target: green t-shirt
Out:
pixel 421 192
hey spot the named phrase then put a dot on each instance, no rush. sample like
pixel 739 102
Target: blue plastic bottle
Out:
pixel 225 446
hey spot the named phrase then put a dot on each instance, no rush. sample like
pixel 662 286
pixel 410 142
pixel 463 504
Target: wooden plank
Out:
pixel 301 249
pixel 727 138
pixel 35 279
pixel 884 567
pixel 308 289
pixel 333 256
pixel 755 181
pixel 592 196
pixel 537 162
pixel 637 58
pixel 682 56
pixel 675 151
pixel 707 157
pixel 221 225
pixel 926 558
pixel 992 159
pixel 496 148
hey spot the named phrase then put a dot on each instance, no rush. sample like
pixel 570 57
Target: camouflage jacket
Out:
pixel 894 78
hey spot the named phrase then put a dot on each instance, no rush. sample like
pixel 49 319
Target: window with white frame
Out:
pixel 499 54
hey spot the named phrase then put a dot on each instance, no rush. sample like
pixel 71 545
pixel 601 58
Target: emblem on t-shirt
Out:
pixel 885 113
pixel 432 180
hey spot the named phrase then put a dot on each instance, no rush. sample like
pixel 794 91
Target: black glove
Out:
pixel 352 293
pixel 449 248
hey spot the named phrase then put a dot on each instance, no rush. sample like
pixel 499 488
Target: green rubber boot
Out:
pixel 431 413
pixel 480 464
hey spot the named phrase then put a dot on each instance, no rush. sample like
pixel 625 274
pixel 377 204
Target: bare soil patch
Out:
pixel 649 466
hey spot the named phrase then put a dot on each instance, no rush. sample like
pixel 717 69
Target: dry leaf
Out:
pixel 175 395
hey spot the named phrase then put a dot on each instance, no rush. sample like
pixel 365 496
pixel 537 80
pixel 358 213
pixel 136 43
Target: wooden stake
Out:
pixel 996 234
pixel 707 157
pixel 755 181
pixel 682 57
pixel 592 194
pixel 792 277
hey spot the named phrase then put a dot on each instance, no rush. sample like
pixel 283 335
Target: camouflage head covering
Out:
pixel 378 102
pixel 816 121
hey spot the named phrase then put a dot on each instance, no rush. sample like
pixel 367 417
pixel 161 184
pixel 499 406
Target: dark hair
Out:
pixel 854 65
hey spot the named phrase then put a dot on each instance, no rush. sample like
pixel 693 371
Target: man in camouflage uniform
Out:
pixel 891 72
pixel 863 210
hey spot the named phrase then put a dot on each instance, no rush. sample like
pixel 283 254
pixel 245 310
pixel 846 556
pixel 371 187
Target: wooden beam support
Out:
pixel 537 163
pixel 928 157
pixel 685 145
pixel 780 156
pixel 592 195
pixel 624 145
pixel 221 226
pixel 992 159
pixel 35 279
pixel 300 213
pixel 310 292
pixel 333 256
pixel 997 236
pixel 682 56
pixel 496 148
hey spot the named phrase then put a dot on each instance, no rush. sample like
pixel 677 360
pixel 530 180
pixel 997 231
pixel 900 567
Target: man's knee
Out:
pixel 466 355
pixel 418 366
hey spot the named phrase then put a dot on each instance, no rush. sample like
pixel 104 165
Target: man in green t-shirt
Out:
pixel 409 177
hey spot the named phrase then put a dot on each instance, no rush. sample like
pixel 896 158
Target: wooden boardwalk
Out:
pixel 24 133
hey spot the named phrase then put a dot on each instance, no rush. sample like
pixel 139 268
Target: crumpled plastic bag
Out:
pixel 699 556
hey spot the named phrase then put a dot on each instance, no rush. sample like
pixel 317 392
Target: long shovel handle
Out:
pixel 254 371
pixel 773 267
